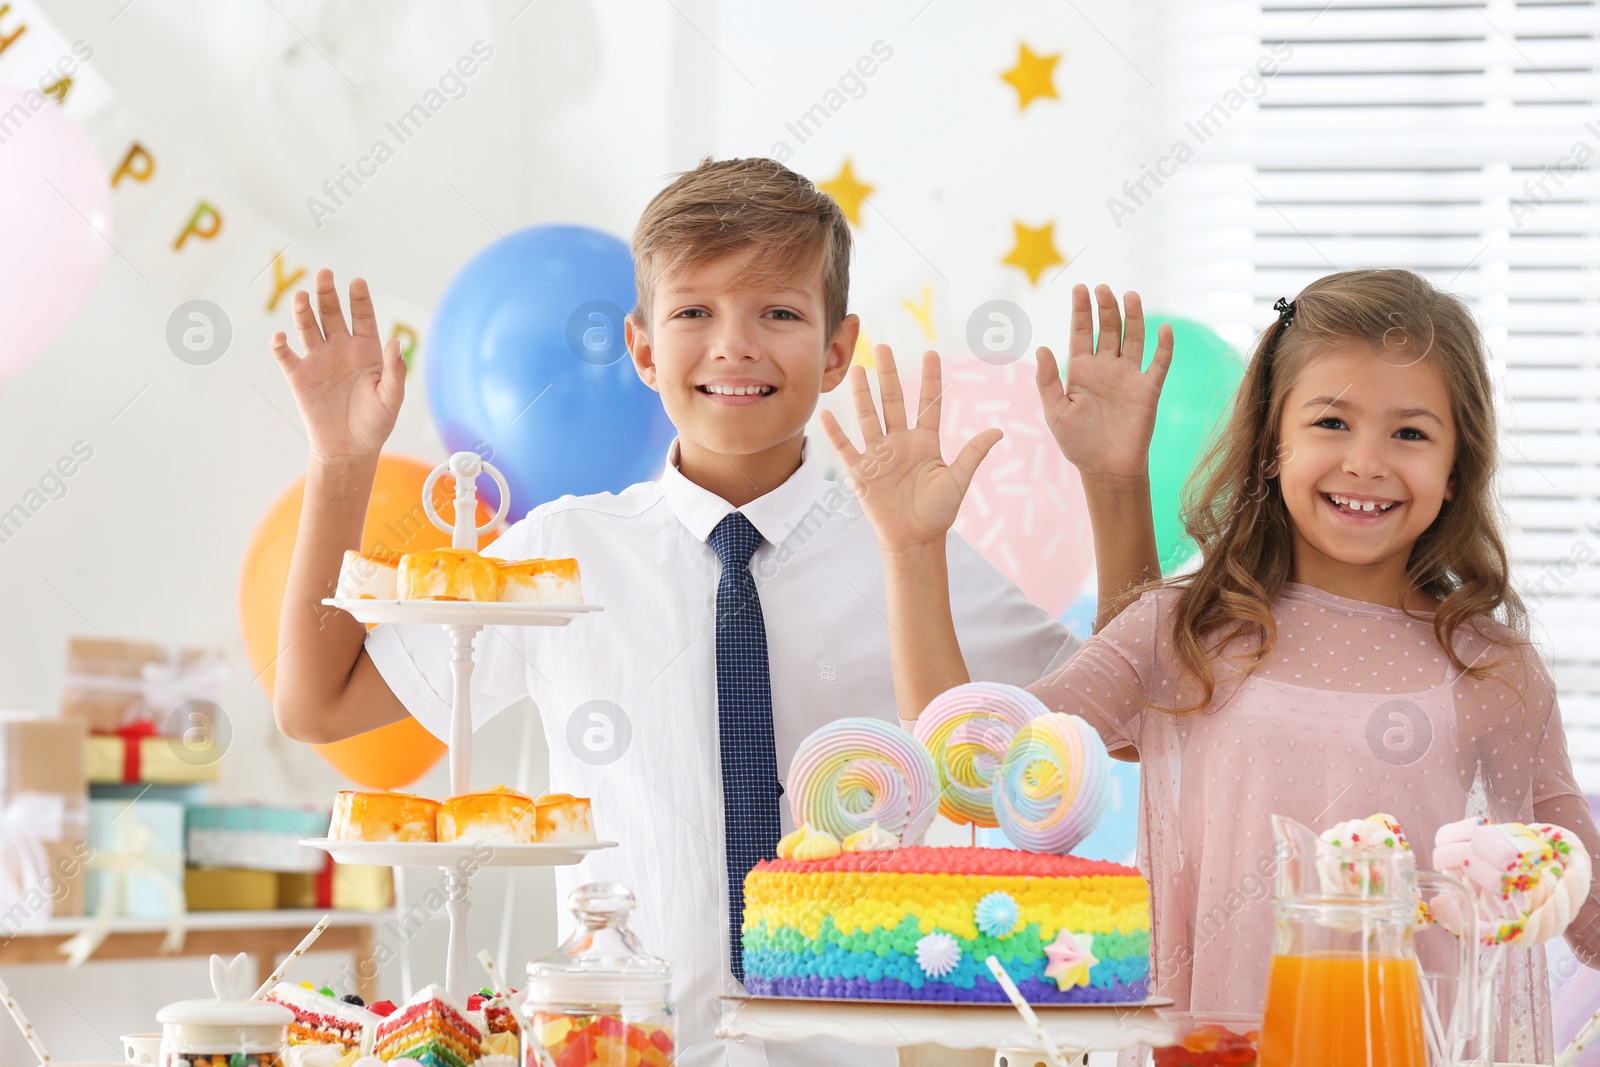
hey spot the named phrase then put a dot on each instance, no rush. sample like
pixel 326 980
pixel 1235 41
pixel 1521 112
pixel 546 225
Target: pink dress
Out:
pixel 1356 711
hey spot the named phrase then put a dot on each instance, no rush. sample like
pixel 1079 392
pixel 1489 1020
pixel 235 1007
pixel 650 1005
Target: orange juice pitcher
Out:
pixel 1345 989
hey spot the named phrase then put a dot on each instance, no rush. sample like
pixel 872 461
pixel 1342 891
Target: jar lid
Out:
pixel 230 981
pixel 602 963
pixel 225 1013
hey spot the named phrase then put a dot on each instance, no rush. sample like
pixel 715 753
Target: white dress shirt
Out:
pixel 647 754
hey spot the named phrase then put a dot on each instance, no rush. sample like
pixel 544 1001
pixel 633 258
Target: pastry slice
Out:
pixel 499 816
pixel 368 576
pixel 447 574
pixel 563 819
pixel 383 817
pixel 540 581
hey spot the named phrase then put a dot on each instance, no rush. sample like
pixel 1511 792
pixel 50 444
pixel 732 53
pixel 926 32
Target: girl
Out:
pixel 1349 643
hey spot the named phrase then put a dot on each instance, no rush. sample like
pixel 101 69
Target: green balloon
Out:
pixel 1204 376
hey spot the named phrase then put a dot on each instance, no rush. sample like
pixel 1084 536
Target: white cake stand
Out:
pixel 948 1035
pixel 462 619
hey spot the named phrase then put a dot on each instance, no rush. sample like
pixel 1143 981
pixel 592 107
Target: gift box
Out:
pixel 138 754
pixel 255 837
pixel 340 886
pixel 187 795
pixel 43 808
pixel 110 683
pixel 136 863
pixel 223 889
pixel 134 868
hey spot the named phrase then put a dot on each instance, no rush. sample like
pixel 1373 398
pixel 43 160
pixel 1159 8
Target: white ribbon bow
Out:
pixel 129 855
pixel 165 687
pixel 161 688
pixel 27 823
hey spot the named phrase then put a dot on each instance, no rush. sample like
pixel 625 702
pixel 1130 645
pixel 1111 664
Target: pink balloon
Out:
pixel 55 218
pixel 1025 511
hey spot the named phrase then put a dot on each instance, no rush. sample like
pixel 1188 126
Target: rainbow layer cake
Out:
pixel 432 1028
pixel 323 1018
pixel 917 924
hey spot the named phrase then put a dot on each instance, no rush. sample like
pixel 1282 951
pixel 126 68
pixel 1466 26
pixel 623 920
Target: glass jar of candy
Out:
pixel 222 1033
pixel 600 1000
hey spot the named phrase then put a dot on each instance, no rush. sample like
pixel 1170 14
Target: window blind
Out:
pixel 1459 139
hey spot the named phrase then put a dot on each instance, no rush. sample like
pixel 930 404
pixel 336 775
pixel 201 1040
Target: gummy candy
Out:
pixel 1210 1045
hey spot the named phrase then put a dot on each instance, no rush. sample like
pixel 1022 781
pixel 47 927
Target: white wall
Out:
pixel 583 111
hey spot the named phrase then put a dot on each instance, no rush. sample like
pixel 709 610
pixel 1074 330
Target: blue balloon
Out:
pixel 526 365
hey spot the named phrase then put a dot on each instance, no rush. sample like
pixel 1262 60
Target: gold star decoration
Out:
pixel 1033 77
pixel 849 191
pixel 1035 249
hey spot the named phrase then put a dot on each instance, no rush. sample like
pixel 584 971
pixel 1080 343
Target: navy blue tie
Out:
pixel 750 787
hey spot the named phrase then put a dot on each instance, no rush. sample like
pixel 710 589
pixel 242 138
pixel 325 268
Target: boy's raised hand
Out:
pixel 349 384
pixel 909 493
pixel 1105 414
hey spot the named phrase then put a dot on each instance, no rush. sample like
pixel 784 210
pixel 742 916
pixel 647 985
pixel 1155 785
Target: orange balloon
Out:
pixel 391 756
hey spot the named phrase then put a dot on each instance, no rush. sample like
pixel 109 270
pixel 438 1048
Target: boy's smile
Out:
pixel 740 359
pixel 1367 452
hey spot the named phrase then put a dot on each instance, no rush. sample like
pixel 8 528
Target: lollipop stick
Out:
pixel 299 950
pixel 1049 1046
pixel 24 1025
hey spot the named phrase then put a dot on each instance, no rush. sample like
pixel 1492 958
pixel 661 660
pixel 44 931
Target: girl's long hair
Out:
pixel 1234 509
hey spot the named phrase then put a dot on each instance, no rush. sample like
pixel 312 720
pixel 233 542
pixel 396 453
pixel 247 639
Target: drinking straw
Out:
pixel 1586 1034
pixel 530 1039
pixel 299 950
pixel 1049 1046
pixel 24 1025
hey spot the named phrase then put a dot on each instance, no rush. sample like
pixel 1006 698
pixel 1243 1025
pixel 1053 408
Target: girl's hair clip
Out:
pixel 1285 309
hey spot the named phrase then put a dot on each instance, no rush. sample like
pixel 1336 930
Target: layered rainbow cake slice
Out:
pixel 918 923
pixel 433 1028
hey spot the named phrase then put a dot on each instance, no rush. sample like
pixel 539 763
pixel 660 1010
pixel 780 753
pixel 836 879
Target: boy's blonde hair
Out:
pixel 1236 515
pixel 729 205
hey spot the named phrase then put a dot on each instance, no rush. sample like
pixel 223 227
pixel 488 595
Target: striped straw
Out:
pixel 1027 1013
pixel 24 1025
pixel 299 950
pixel 529 1038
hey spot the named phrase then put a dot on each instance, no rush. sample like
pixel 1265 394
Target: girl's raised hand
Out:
pixel 909 493
pixel 349 385
pixel 1105 414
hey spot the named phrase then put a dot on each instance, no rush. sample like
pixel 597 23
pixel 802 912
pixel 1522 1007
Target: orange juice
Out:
pixel 1343 1010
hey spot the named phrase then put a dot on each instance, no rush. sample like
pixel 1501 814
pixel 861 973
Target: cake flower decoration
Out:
pixel 997 915
pixel 1071 956
pixel 938 954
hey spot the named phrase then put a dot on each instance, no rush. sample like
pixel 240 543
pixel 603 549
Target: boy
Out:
pixel 744 594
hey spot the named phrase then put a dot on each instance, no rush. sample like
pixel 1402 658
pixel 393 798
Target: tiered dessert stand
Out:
pixel 462 619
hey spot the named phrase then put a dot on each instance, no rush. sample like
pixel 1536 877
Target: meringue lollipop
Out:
pixel 1053 785
pixel 1530 879
pixel 1341 867
pixel 853 773
pixel 967 730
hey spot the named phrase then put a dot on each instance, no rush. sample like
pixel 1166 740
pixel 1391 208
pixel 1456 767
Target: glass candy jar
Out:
pixel 228 1031
pixel 599 1000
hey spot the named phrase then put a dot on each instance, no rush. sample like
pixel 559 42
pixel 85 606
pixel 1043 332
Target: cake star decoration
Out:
pixel 938 954
pixel 997 915
pixel 1071 956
